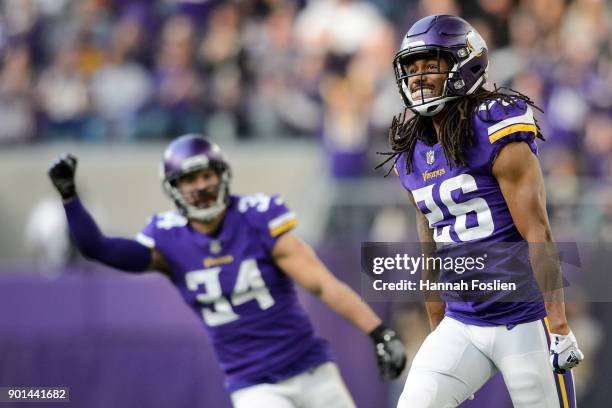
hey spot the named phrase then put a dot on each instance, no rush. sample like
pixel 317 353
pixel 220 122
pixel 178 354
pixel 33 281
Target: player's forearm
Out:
pixel 125 254
pixel 433 302
pixel 434 306
pixel 344 301
pixel 545 263
pixel 435 313
pixel 557 320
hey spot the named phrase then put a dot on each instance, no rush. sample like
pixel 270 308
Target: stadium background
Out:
pixel 299 94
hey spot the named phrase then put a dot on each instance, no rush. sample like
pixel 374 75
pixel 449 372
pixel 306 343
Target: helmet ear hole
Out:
pixel 475 69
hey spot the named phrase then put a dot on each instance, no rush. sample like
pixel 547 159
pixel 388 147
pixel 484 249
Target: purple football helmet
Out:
pixel 191 153
pixel 448 37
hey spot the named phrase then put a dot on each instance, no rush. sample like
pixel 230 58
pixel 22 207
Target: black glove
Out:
pixel 390 352
pixel 61 173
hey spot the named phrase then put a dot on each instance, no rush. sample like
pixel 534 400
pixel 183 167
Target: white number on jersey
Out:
pixel 466 183
pixel 260 201
pixel 222 311
pixel 490 104
pixel 170 219
pixel 249 286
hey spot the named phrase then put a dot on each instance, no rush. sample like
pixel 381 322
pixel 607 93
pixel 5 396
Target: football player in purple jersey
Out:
pixel 235 261
pixel 467 157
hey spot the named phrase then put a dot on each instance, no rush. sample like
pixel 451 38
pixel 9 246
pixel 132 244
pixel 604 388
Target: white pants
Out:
pixel 316 388
pixel 456 359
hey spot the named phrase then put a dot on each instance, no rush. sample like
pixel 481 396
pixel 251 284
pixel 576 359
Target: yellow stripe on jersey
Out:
pixel 283 228
pixel 563 392
pixel 395 171
pixel 521 127
pixel 559 376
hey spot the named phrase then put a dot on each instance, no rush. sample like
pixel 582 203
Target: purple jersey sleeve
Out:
pixel 146 236
pixel 269 215
pixel 120 253
pixel 498 123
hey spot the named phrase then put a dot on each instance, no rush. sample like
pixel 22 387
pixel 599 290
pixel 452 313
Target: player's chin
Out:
pixel 201 201
pixel 204 204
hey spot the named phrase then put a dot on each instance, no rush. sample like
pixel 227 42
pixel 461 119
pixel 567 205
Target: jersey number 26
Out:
pixel 467 184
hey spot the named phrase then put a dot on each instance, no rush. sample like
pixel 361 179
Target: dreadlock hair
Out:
pixel 456 133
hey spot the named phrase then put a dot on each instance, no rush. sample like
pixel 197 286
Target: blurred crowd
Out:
pixel 141 70
pixel 144 70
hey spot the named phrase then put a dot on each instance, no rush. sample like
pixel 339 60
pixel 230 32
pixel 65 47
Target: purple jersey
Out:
pixel 465 204
pixel 250 309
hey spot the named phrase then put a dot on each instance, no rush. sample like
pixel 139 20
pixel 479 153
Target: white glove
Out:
pixel 564 352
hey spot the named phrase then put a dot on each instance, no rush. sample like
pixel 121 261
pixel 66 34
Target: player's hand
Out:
pixel 61 172
pixel 390 352
pixel 564 352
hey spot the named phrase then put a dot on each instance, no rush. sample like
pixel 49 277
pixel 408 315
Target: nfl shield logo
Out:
pixel 215 246
pixel 429 157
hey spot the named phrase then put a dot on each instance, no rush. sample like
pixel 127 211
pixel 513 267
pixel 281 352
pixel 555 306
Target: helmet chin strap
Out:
pixel 209 214
pixel 428 106
pixel 205 215
pixel 433 106
pixel 429 109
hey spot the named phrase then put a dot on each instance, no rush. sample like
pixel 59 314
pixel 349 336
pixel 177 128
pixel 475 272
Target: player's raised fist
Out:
pixel 390 352
pixel 61 172
pixel 564 352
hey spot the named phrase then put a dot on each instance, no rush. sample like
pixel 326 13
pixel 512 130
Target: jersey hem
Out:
pixel 273 379
pixel 540 314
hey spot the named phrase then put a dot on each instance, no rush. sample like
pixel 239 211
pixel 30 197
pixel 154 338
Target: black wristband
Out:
pixel 378 334
pixel 66 188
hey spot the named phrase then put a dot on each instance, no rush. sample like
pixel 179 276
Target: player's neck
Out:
pixel 207 227
pixel 437 124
